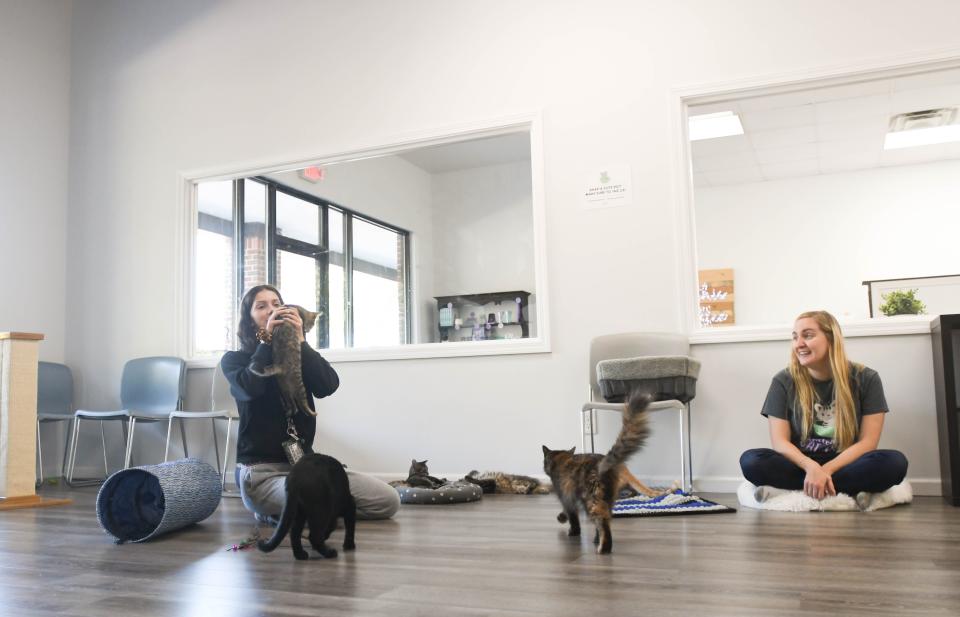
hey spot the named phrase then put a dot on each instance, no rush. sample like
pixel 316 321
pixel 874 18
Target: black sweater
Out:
pixel 263 422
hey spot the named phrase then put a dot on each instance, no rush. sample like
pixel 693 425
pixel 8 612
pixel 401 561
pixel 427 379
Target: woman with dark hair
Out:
pixel 262 464
pixel 825 415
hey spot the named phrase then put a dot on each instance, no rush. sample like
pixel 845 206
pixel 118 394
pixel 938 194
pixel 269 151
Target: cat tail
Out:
pixel 281 531
pixel 632 435
pixel 302 403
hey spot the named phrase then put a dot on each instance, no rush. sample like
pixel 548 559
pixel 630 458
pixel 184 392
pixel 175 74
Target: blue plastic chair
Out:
pixel 54 404
pixel 150 389
pixel 222 407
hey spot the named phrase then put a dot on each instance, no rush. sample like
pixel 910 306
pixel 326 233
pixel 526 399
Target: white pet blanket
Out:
pixel 769 498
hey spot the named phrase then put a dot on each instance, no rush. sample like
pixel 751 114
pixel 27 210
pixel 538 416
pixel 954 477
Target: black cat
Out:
pixel 318 493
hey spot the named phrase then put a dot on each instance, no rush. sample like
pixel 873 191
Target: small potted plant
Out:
pixel 902 302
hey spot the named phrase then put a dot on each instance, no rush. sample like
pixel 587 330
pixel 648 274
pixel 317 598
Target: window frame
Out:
pixel 681 98
pixel 529 122
pixel 277 242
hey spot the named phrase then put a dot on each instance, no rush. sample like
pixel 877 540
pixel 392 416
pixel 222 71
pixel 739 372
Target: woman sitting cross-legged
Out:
pixel 825 415
pixel 262 465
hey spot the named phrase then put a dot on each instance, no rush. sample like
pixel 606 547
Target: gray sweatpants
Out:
pixel 262 488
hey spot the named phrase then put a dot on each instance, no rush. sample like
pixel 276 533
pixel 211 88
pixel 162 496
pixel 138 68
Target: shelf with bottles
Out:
pixel 483 316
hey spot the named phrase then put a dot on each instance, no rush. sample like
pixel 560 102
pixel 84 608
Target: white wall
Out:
pixel 483 219
pixel 34 116
pixel 806 243
pixel 166 87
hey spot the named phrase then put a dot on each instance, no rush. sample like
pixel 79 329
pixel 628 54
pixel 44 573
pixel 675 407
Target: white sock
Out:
pixel 763 493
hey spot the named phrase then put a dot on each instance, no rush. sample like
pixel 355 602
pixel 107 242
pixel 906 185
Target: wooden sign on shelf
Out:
pixel 716 298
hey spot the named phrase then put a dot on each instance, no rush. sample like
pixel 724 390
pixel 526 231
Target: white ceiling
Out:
pixel 822 130
pixel 482 152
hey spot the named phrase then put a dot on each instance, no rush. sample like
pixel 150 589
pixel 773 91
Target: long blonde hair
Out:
pixel 846 413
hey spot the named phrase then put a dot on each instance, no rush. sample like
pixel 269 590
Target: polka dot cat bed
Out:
pixel 455 492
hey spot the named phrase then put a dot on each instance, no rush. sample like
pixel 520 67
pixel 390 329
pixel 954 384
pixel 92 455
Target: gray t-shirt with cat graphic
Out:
pixel 781 402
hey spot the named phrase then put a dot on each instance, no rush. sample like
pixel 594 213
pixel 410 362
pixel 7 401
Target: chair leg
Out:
pixel 130 429
pixel 689 452
pixel 583 435
pixel 593 424
pixel 66 448
pixel 226 453
pixel 75 434
pixel 39 480
pixel 103 443
pixel 216 443
pixel 183 438
pixel 166 449
pixel 683 455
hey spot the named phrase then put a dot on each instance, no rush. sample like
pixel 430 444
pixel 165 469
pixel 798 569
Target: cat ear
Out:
pixel 546 450
pixel 572 450
pixel 413 461
pixel 309 318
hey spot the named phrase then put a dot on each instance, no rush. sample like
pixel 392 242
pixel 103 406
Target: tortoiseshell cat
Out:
pixel 593 481
pixel 420 476
pixel 318 492
pixel 286 362
pixel 512 484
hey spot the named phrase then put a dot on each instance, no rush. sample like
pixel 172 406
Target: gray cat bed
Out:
pixel 140 503
pixel 455 492
pixel 666 377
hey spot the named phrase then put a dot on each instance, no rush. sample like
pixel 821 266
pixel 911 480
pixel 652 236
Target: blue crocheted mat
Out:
pixel 676 502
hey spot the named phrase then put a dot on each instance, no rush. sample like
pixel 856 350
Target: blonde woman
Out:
pixel 826 415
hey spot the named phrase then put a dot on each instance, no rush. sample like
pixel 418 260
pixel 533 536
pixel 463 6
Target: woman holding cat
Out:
pixel 825 416
pixel 262 465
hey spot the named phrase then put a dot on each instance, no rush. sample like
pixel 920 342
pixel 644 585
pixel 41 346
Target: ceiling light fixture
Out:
pixel 710 126
pixel 922 128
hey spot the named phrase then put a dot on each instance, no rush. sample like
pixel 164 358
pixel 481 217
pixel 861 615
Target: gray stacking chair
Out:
pixel 657 362
pixel 54 404
pixel 222 407
pixel 150 389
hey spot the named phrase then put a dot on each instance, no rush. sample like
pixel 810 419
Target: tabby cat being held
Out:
pixel 286 362
pixel 593 481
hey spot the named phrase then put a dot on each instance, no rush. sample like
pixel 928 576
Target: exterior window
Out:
pixel 320 255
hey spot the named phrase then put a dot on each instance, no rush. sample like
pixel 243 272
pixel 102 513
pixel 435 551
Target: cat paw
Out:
pixel 605 549
pixel 328 553
pixel 301 555
pixel 562 517
pixel 349 546
pixel 573 533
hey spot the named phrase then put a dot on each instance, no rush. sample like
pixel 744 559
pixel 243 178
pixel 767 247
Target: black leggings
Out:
pixel 874 472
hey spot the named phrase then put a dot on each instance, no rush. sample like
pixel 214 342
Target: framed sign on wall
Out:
pixel 716 298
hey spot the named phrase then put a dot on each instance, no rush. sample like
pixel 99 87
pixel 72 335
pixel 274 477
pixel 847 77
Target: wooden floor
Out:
pixel 505 555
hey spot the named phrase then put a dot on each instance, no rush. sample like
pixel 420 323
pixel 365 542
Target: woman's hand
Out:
pixel 818 483
pixel 288 315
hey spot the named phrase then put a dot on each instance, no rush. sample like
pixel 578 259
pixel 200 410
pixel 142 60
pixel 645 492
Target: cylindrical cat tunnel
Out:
pixel 140 503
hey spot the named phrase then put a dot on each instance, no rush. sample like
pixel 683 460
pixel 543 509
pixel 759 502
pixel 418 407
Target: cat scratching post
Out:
pixel 18 421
